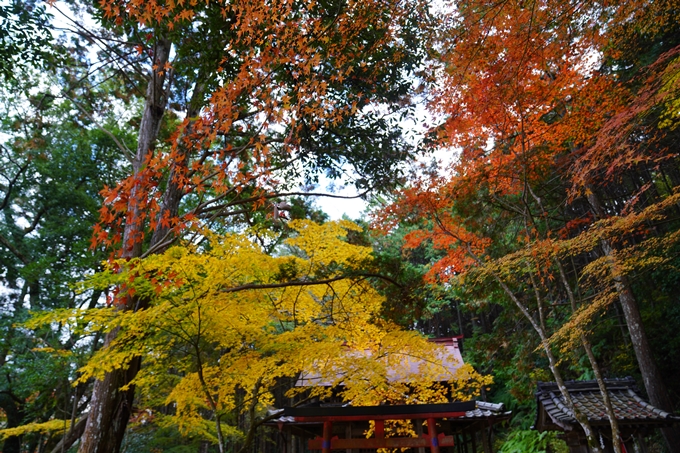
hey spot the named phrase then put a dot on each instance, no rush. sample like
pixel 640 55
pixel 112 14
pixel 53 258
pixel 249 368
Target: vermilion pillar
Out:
pixel 326 442
pixel 432 432
pixel 379 429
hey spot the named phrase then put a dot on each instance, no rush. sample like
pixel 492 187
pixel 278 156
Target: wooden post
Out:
pixel 486 439
pixel 641 443
pixel 327 432
pixel 348 435
pixel 432 432
pixel 379 429
pixel 419 431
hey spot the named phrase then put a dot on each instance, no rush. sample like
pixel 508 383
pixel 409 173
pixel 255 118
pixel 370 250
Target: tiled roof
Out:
pixel 628 406
pixel 481 410
pixel 484 409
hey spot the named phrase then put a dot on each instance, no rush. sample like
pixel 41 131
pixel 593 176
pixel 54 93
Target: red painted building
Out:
pixel 461 427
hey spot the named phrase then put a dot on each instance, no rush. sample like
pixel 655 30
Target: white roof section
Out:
pixel 410 366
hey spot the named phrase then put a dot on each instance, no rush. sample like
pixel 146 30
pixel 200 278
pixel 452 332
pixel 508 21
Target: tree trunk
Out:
pixel 552 361
pixel 71 437
pixel 613 421
pixel 110 407
pixel 175 190
pixel 15 417
pixel 656 389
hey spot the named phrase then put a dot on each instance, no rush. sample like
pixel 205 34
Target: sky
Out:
pixel 336 208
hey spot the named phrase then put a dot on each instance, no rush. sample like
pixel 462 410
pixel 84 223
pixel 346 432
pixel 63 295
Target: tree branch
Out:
pixel 15 251
pixel 254 286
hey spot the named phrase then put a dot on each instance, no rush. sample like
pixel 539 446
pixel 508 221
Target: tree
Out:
pixel 239 100
pixel 55 159
pixel 538 128
pixel 227 322
pixel 24 37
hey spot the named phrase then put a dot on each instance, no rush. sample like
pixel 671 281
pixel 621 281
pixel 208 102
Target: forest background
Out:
pixel 166 273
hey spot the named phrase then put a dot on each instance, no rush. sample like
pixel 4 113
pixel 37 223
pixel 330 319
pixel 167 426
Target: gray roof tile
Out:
pixel 627 404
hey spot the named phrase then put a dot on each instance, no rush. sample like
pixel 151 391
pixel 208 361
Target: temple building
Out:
pixel 460 427
pixel 636 417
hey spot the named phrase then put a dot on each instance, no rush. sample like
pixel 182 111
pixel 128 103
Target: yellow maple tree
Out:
pixel 227 323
